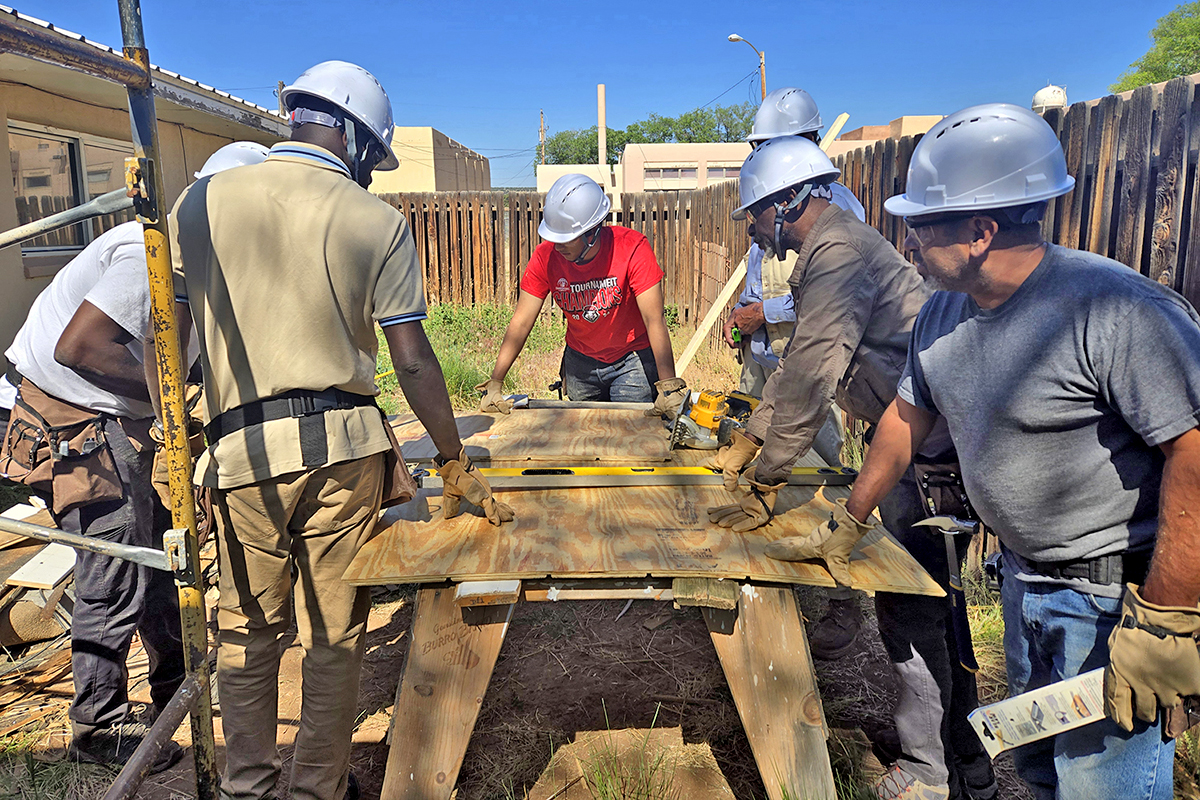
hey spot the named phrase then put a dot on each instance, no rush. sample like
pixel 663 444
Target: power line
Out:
pixel 731 88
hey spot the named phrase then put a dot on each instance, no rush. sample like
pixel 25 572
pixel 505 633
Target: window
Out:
pixel 56 170
pixel 720 173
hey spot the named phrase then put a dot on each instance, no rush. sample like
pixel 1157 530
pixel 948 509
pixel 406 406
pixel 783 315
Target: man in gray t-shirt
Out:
pixel 1071 387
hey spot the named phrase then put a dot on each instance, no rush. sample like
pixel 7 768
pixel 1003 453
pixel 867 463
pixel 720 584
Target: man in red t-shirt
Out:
pixel 609 286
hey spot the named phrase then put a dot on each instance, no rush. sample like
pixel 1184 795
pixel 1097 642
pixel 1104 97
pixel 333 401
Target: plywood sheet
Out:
pixel 766 660
pixel 618 532
pixel 576 436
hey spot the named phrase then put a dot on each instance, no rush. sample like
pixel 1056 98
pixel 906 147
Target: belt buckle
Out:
pixel 1100 570
pixel 301 406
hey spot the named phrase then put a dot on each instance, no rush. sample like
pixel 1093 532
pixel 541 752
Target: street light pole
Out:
pixel 762 62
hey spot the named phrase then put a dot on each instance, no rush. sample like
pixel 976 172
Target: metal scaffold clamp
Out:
pixel 175 548
pixel 139 184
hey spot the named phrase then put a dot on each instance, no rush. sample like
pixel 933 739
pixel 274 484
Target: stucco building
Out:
pixel 68 135
pixel 430 161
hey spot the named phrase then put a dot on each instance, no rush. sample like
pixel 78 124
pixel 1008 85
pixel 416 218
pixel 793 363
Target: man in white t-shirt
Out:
pixel 78 357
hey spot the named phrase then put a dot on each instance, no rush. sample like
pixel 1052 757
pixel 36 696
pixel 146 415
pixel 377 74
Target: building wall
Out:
pixel 184 150
pixel 430 161
pixel 608 176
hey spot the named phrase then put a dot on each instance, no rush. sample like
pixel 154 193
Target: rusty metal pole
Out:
pixel 152 213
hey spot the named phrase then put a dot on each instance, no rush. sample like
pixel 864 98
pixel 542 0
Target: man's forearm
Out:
pixel 114 369
pixel 420 377
pixel 900 432
pixel 660 345
pixel 1174 577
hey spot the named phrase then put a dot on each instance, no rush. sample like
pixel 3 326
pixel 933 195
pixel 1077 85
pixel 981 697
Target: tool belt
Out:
pixel 1118 568
pixel 309 408
pixel 59 449
pixel 941 485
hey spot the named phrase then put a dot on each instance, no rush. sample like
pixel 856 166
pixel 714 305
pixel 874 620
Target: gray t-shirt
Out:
pixel 1058 399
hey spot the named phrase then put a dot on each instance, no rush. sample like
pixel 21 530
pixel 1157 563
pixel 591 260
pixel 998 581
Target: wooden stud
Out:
pixel 446 674
pixel 487 593
pixel 706 593
pixel 766 660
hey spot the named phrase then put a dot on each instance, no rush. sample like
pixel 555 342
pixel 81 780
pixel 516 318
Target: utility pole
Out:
pixel 601 129
pixel 542 134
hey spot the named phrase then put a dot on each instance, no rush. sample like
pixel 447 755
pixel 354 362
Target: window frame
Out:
pixel 45 262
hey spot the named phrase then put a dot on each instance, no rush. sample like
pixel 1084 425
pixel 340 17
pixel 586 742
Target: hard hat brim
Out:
pixel 900 206
pixel 554 236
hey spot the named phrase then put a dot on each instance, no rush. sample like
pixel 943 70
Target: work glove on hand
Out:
pixel 462 480
pixel 1152 661
pixel 732 459
pixel 670 397
pixel 494 401
pixel 832 542
pixel 756 508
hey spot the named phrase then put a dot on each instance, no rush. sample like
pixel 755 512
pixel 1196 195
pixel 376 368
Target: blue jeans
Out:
pixel 630 379
pixel 1051 633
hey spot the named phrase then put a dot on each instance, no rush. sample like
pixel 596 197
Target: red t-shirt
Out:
pixel 598 298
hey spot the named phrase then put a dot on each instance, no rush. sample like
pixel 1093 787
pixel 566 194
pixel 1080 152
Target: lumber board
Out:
pixel 764 654
pixel 706 593
pixel 25 513
pixel 619 532
pixel 486 593
pixel 581 435
pixel 445 677
pixel 45 570
pixel 543 592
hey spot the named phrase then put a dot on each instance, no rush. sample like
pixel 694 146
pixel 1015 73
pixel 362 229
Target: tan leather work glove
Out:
pixel 670 397
pixel 494 401
pixel 1152 659
pixel 756 508
pixel 733 458
pixel 462 480
pixel 832 542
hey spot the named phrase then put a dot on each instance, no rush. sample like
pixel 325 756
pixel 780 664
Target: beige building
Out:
pixel 657 168
pixel 430 161
pixel 909 125
pixel 68 135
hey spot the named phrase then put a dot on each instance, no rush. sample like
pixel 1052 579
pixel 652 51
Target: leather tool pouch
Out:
pixel 942 490
pixel 60 449
pixel 398 484
pixel 193 393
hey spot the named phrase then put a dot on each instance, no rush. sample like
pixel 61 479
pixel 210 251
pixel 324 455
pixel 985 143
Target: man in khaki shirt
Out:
pixel 856 299
pixel 286 268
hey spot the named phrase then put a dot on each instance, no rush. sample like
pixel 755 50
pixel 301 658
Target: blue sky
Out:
pixel 479 72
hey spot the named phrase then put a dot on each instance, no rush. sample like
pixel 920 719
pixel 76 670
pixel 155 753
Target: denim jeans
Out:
pixel 1050 633
pixel 630 379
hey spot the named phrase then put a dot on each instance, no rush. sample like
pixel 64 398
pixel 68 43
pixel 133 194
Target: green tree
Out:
pixel 720 124
pixel 1176 50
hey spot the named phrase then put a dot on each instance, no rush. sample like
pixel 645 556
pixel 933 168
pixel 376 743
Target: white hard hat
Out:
pixel 356 92
pixel 785 112
pixel 990 156
pixel 236 154
pixel 574 205
pixel 778 164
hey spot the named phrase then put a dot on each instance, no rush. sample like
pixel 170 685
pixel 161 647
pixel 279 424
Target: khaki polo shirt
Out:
pixel 287 267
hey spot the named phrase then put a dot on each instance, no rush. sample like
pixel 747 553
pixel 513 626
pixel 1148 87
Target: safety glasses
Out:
pixel 924 228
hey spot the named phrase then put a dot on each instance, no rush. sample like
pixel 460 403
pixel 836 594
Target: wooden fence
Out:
pixel 475 245
pixel 1137 186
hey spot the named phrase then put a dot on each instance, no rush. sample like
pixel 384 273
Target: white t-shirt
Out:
pixel 110 274
pixel 8 394
pixel 844 198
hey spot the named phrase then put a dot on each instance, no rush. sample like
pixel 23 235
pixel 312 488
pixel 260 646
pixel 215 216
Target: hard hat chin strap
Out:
pixel 590 238
pixel 783 208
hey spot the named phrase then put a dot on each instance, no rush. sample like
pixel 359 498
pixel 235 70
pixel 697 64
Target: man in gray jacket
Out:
pixel 855 300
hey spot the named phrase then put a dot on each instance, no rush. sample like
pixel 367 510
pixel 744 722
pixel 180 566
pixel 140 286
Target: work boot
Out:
pixel 977 777
pixel 834 634
pixel 898 784
pixel 114 746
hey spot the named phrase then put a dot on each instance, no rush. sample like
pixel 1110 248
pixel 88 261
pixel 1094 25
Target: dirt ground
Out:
pixel 565 667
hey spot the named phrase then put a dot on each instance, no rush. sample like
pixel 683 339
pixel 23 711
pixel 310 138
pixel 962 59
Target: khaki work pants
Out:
pixel 316 520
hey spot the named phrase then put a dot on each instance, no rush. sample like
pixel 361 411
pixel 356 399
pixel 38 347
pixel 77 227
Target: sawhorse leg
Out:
pixel 767 664
pixel 445 677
